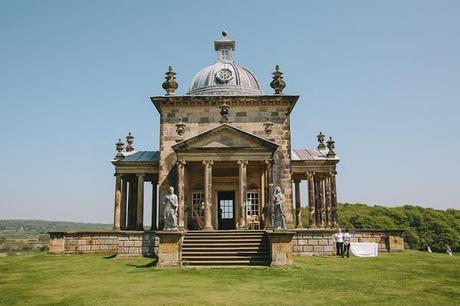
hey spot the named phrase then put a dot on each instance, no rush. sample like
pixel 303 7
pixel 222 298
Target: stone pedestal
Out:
pixel 169 250
pixel 56 244
pixel 281 247
pixel 395 243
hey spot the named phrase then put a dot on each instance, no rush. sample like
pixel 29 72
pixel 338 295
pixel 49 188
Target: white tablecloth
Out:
pixel 364 249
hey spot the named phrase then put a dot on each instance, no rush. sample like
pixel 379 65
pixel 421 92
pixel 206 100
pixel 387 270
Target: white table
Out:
pixel 364 249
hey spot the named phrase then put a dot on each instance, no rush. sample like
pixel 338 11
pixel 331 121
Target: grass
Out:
pixel 408 278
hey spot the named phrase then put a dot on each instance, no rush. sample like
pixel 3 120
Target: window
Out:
pixel 252 203
pixel 197 204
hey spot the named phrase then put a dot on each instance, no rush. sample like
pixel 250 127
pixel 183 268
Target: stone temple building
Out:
pixel 225 147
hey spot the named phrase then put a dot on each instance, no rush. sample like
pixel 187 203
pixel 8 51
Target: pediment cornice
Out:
pixel 216 140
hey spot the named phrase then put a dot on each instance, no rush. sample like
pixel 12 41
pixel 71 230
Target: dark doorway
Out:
pixel 226 206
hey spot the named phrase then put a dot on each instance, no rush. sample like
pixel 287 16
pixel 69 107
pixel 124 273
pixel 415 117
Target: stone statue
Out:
pixel 280 218
pixel 170 205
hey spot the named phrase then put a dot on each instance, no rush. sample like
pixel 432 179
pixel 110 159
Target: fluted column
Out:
pixel 140 203
pixel 154 206
pixel 321 201
pixel 117 210
pixel 268 213
pixel 181 193
pixel 327 192
pixel 262 191
pixel 132 203
pixel 334 220
pixel 317 202
pixel 311 200
pixel 208 194
pixel 124 202
pixel 298 206
pixel 242 193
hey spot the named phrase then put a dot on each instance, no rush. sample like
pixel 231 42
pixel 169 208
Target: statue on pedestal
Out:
pixel 170 205
pixel 278 200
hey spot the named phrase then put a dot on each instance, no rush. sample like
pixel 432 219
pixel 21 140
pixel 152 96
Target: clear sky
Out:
pixel 381 77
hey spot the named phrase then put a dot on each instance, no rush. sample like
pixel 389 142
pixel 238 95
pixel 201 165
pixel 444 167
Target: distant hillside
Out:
pixel 42 227
pixel 422 226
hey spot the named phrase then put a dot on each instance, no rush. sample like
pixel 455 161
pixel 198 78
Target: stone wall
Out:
pixel 126 243
pixel 312 242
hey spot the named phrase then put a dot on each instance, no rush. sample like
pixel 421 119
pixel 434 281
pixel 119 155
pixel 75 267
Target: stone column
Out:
pixel 208 194
pixel 317 202
pixel 268 213
pixel 140 203
pixel 117 210
pixel 181 193
pixel 154 206
pixel 124 202
pixel 132 203
pixel 333 199
pixel 327 188
pixel 321 201
pixel 242 193
pixel 298 206
pixel 262 191
pixel 311 200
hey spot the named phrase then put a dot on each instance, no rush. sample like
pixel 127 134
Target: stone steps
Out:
pixel 225 248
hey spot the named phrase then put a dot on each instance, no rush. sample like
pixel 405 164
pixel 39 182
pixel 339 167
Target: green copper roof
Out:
pixel 142 156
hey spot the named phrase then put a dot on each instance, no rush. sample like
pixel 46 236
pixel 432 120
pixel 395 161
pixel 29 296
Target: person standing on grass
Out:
pixel 346 243
pixel 449 250
pixel 339 242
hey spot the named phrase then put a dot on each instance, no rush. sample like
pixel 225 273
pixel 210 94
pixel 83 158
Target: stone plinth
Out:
pixel 56 244
pixel 281 247
pixel 395 243
pixel 169 249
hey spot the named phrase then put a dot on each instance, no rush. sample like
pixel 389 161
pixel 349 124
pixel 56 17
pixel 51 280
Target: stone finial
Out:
pixel 120 147
pixel 331 147
pixel 268 126
pixel 278 84
pixel 321 145
pixel 224 111
pixel 180 127
pixel 170 85
pixel 129 142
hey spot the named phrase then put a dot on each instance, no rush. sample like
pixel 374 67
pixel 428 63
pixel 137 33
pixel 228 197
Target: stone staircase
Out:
pixel 226 248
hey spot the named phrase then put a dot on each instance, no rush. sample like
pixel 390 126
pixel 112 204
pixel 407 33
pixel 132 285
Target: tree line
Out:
pixel 422 227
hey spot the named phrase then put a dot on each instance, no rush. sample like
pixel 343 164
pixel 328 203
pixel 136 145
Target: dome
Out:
pixel 224 77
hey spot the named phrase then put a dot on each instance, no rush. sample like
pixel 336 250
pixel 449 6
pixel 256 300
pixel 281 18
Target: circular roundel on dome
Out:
pixel 226 79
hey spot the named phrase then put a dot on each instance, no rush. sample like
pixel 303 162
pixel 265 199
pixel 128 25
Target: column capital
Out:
pixel 242 163
pixel 140 174
pixel 181 163
pixel 208 162
pixel 310 175
pixel 269 162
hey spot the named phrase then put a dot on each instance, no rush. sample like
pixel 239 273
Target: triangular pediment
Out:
pixel 225 137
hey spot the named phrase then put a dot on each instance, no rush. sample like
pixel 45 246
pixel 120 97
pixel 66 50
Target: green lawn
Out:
pixel 411 277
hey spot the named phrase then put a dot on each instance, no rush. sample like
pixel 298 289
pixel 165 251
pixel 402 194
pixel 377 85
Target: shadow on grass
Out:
pixel 154 263
pixel 110 256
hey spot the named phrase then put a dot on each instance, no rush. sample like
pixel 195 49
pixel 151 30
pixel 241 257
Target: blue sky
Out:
pixel 381 77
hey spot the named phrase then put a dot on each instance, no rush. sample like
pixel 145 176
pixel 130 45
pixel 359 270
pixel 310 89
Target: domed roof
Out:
pixel 224 77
